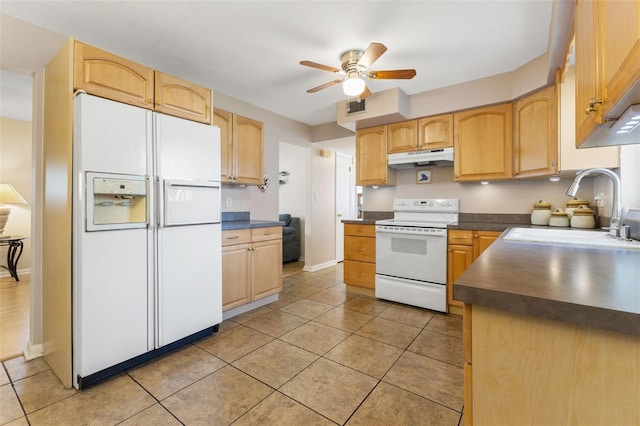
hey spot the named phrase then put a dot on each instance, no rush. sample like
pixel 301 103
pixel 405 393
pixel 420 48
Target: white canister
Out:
pixel 541 213
pixel 583 218
pixel 559 218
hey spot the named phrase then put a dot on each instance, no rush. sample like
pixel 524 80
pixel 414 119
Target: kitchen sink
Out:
pixel 569 237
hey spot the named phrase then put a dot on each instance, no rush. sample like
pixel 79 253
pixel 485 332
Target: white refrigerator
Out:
pixel 146 235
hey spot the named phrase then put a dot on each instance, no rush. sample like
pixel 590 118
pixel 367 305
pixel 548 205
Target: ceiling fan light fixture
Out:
pixel 353 86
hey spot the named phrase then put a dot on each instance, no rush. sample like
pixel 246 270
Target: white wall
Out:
pixel 295 193
pixel 16 169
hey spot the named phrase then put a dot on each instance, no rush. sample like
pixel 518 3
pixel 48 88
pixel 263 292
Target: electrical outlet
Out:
pixel 229 201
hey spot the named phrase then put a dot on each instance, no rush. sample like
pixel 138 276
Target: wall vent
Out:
pixel 357 105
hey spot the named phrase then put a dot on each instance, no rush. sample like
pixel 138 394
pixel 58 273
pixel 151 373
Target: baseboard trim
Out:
pixel 315 268
pixel 33 351
pixel 250 306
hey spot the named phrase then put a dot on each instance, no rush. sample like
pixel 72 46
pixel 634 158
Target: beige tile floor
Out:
pixel 318 356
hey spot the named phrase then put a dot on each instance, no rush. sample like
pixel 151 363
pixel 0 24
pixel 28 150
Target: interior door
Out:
pixel 345 199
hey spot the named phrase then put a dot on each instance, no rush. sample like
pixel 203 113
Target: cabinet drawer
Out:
pixel 360 274
pixel 362 249
pixel 265 234
pixel 460 237
pixel 358 230
pixel 235 236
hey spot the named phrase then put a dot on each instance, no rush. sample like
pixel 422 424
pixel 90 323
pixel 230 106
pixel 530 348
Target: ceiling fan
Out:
pixel 355 64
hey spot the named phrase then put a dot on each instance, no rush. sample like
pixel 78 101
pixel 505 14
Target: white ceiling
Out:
pixel 251 50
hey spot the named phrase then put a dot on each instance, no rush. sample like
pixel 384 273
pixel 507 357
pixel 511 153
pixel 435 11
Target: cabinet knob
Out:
pixel 359 249
pixel 149 101
pixel 234 237
pixel 475 236
pixel 592 105
pixel 157 102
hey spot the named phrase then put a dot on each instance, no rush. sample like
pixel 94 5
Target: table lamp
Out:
pixel 8 195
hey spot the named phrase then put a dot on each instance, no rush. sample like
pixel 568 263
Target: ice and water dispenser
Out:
pixel 116 202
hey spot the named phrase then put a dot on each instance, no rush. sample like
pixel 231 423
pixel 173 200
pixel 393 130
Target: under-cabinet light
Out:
pixel 628 121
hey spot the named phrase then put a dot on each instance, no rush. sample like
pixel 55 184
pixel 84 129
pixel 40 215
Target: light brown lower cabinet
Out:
pixel 464 247
pixel 251 265
pixel 360 255
pixel 521 369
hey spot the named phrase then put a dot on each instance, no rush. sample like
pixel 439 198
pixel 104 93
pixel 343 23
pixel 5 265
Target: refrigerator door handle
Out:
pixel 159 202
pixel 189 202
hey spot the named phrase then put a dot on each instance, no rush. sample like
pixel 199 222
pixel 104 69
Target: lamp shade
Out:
pixel 9 195
pixel 353 86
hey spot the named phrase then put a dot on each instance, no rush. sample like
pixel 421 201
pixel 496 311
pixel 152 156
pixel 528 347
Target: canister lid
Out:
pixel 542 205
pixel 559 213
pixel 577 202
pixel 582 211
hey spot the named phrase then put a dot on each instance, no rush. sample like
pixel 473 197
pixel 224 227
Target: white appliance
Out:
pixel 146 235
pixel 411 252
pixel 429 157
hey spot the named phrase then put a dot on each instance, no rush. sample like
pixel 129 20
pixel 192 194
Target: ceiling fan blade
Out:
pixel 373 52
pixel 366 93
pixel 392 74
pixel 324 86
pixel 319 66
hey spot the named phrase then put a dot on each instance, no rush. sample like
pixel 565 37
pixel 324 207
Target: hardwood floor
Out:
pixel 14 316
pixel 291 268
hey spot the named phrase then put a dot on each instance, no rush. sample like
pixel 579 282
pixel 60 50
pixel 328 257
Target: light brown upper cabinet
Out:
pixel 371 157
pixel 607 56
pixel 483 143
pixel 242 148
pixel 435 132
pixel 182 99
pixel 536 134
pixel 402 136
pixel 109 76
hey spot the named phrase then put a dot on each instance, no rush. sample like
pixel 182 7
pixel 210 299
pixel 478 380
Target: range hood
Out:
pixel 430 157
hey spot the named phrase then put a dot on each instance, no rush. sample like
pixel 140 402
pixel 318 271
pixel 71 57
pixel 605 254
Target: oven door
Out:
pixel 417 254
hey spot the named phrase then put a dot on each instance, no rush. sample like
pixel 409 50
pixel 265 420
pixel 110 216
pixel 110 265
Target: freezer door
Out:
pixel 190 202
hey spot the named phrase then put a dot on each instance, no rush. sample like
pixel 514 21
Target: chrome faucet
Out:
pixel 614 226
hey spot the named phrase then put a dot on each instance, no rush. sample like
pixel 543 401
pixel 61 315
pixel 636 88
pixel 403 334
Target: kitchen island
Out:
pixel 551 335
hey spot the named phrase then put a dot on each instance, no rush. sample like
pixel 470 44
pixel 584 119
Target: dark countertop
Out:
pixel 593 287
pixel 244 224
pixel 242 220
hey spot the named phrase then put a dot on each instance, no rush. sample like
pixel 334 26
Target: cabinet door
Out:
pixel 222 119
pixel 621 49
pixel 588 73
pixel 536 135
pixel 483 142
pixel 248 151
pixel 235 276
pixel 458 260
pixel 371 156
pixel 402 137
pixel 182 99
pixel 266 268
pixel 435 132
pixel 109 76
pixel 482 240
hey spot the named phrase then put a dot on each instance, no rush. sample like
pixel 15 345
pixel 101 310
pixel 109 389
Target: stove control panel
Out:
pixel 426 205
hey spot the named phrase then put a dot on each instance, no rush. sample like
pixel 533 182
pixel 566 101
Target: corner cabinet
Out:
pixel 242 148
pixel 371 158
pixel 104 74
pixel 607 56
pixel 360 255
pixel 464 247
pixel 251 265
pixel 536 134
pixel 483 143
